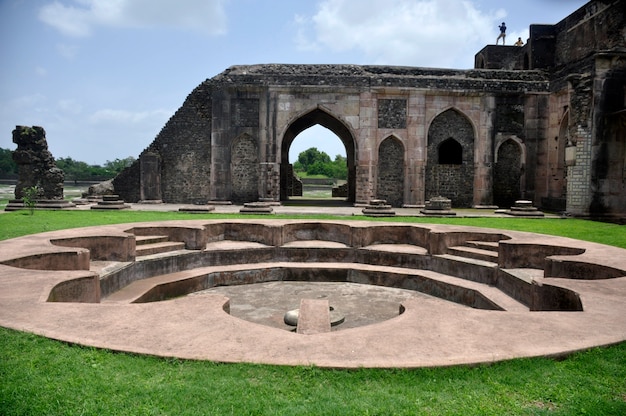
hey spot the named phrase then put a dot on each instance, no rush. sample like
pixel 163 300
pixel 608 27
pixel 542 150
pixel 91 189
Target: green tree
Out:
pixel 339 167
pixel 119 165
pixel 73 169
pixel 81 171
pixel 310 156
pixel 314 162
pixel 8 167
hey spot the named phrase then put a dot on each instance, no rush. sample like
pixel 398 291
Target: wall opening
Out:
pixel 324 119
pixel 316 152
pixel 450 152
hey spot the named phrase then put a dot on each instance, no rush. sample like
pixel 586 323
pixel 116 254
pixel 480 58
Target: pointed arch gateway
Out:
pixel 324 119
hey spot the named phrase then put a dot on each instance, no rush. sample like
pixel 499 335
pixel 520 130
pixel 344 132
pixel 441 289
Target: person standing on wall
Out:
pixel 502 33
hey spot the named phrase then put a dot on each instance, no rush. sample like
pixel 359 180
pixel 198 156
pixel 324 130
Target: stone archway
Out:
pixel 445 176
pixel 324 119
pixel 390 183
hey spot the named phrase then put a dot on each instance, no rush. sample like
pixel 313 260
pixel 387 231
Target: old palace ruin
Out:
pixel 544 122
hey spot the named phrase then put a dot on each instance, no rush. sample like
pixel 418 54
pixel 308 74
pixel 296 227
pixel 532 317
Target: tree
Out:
pixel 81 171
pixel 119 165
pixel 314 162
pixel 8 167
pixel 310 156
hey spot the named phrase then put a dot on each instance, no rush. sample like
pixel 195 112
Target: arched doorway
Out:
pixel 305 121
pixel 450 158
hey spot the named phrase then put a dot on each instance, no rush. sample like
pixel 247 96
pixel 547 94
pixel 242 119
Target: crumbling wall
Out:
pixel 35 164
pixel 184 148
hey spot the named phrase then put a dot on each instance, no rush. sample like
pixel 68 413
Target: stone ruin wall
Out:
pixel 519 112
pixel 184 149
pixel 35 164
pixel 403 109
pixel 590 66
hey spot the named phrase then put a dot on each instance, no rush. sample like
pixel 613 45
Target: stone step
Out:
pixel 190 280
pixel 485 245
pixel 131 292
pixel 494 294
pixel 141 240
pixel 157 248
pixel 474 253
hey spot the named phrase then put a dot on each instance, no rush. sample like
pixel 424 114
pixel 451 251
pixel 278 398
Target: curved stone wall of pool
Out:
pixel 484 294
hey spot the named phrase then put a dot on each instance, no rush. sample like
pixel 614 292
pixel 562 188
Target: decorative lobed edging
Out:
pixel 428 333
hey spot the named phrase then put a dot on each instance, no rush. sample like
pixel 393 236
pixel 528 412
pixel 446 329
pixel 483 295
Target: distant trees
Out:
pixel 74 170
pixel 8 167
pixel 80 171
pixel 314 162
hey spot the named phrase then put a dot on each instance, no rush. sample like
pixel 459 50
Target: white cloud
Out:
pixel 78 18
pixel 435 33
pixel 67 51
pixel 128 117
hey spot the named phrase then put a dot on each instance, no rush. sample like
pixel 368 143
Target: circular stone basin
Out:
pixel 357 304
pixel 473 295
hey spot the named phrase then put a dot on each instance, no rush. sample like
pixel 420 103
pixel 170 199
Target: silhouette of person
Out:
pixel 519 42
pixel 502 36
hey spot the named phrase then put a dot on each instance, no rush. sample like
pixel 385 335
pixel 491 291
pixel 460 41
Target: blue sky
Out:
pixel 103 76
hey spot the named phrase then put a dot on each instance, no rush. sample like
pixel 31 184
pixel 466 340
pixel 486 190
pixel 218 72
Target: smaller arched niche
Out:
pixel 450 152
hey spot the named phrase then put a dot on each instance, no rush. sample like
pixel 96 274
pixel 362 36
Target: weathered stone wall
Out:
pixel 36 166
pixel 365 105
pixel 391 172
pixel 184 148
pixel 245 170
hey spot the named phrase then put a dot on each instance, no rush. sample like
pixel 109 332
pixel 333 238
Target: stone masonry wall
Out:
pixel 245 170
pixel 184 146
pixel 391 172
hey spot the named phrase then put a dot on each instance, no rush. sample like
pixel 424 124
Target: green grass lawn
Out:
pixel 39 376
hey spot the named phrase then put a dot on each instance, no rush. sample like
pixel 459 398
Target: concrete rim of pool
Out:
pixel 485 294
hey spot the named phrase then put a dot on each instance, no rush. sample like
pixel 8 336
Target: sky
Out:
pixel 102 77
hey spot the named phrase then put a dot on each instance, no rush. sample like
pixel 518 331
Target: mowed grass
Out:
pixel 39 376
